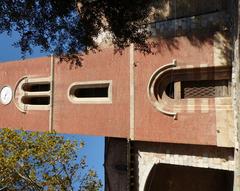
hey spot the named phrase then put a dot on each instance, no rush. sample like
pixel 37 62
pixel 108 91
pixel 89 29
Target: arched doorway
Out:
pixel 164 177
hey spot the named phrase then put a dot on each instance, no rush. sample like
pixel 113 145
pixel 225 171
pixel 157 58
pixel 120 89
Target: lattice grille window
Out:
pixel 205 89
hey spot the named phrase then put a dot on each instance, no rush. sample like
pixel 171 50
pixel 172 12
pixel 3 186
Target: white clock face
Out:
pixel 6 95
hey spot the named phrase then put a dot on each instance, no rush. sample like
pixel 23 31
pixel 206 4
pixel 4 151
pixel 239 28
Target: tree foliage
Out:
pixel 42 161
pixel 61 26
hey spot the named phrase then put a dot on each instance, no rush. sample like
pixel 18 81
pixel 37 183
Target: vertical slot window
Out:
pixel 170 90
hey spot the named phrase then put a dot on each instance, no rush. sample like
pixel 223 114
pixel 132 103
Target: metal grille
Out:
pixel 205 89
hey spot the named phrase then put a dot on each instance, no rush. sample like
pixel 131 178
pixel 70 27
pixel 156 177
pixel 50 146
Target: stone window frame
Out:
pixel 169 106
pixel 90 100
pixel 20 93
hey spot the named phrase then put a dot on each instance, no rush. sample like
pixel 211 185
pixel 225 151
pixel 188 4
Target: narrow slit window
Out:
pixel 91 92
pixel 170 90
pixel 34 94
pixel 40 87
pixel 36 100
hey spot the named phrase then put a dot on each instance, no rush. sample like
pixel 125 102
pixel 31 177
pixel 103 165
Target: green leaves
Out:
pixel 41 161
pixel 70 27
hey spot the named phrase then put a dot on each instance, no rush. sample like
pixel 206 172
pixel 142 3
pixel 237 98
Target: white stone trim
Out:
pixel 52 77
pixel 190 105
pixel 132 92
pixel 19 93
pixel 150 89
pixel 146 161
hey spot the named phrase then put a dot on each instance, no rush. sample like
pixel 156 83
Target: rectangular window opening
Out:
pixel 36 100
pixel 41 87
pixel 91 92
pixel 205 89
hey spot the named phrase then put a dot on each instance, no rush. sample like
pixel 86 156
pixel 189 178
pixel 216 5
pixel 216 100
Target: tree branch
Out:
pixel 3 188
pixel 28 179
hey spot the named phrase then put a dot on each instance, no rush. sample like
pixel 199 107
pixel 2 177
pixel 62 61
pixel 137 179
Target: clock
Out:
pixel 6 95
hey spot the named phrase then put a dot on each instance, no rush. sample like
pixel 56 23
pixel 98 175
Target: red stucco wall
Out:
pixel 150 124
pixel 10 74
pixel 94 119
pixel 113 120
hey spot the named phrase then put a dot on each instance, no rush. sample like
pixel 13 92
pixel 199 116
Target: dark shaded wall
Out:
pixel 180 178
pixel 116 169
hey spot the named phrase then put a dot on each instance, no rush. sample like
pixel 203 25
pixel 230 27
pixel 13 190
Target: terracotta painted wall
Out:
pixel 10 74
pixel 113 120
pixel 150 124
pixel 94 119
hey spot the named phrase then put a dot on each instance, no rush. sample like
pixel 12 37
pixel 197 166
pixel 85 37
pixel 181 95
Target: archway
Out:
pixel 164 177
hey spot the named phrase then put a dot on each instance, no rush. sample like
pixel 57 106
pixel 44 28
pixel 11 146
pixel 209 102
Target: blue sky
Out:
pixel 94 146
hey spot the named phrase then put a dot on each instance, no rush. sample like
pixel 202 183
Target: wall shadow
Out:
pixel 178 178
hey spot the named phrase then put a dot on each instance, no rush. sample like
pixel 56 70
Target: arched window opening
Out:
pixel 33 93
pixel 172 90
pixel 91 92
pixel 183 86
pixel 166 177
